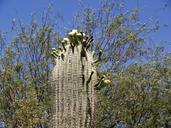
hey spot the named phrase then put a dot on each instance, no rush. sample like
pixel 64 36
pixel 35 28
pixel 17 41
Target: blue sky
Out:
pixel 157 9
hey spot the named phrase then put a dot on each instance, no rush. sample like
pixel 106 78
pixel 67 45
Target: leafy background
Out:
pixel 135 57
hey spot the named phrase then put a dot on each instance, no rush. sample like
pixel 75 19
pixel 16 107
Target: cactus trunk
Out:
pixel 73 80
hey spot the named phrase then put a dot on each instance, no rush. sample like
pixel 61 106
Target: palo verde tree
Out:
pixel 25 74
pixel 138 98
pixel 25 70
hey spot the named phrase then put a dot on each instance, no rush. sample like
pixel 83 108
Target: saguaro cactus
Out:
pixel 73 80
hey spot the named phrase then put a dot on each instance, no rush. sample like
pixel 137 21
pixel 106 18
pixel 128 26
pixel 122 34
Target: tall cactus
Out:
pixel 73 80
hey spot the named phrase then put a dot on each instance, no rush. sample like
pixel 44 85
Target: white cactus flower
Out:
pixel 93 52
pixel 107 82
pixel 84 34
pixel 84 40
pixel 79 34
pixel 65 40
pixel 73 32
pixel 53 49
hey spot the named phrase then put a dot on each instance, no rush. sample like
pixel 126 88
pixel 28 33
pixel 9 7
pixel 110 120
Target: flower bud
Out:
pixel 107 82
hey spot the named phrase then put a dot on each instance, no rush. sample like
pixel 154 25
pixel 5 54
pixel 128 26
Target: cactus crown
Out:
pixel 82 41
pixel 75 38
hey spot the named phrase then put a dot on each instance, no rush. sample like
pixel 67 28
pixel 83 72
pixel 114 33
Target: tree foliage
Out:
pixel 138 98
pixel 139 95
pixel 25 76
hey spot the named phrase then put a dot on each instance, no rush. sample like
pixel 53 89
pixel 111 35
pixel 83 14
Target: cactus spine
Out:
pixel 73 80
